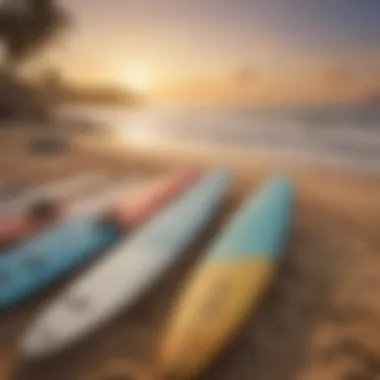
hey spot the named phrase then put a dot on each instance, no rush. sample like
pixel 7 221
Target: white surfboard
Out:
pixel 123 275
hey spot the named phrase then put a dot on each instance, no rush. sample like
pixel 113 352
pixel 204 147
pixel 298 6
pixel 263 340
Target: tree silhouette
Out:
pixel 26 26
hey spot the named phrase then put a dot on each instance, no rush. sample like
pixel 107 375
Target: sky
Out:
pixel 225 51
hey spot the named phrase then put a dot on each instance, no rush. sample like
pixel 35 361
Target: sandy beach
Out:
pixel 319 320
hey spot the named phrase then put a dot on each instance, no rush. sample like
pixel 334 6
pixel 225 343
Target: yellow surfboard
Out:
pixel 227 284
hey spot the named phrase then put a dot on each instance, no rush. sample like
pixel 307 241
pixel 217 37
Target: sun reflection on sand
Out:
pixel 137 128
pixel 141 136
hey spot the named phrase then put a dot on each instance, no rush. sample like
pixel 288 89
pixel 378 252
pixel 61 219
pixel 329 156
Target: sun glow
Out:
pixel 137 77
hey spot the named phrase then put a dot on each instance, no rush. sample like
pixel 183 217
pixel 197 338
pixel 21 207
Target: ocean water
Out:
pixel 347 137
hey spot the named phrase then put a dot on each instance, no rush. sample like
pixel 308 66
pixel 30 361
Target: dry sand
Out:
pixel 320 319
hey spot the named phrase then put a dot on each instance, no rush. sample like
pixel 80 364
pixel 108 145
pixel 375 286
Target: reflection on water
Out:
pixel 344 136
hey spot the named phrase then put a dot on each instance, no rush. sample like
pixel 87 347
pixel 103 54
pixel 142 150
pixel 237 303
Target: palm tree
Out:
pixel 26 26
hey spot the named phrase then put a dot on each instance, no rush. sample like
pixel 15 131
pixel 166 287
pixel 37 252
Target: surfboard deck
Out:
pixel 131 268
pixel 227 284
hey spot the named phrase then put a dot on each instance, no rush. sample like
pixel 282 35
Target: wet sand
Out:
pixel 320 318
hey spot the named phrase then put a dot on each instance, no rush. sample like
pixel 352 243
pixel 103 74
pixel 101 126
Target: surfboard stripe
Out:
pixel 136 209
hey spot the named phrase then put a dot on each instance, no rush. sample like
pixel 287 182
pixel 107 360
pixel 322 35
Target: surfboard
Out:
pixel 30 267
pixel 118 280
pixel 227 284
pixel 21 226
pixel 56 190
pixel 136 209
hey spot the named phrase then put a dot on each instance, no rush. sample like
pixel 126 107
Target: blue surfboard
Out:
pixel 29 268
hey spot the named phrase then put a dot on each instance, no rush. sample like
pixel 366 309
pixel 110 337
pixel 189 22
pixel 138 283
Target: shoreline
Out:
pixel 214 152
pixel 117 140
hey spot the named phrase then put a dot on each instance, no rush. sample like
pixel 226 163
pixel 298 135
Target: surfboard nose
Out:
pixel 279 188
pixel 37 343
pixel 274 209
pixel 219 177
